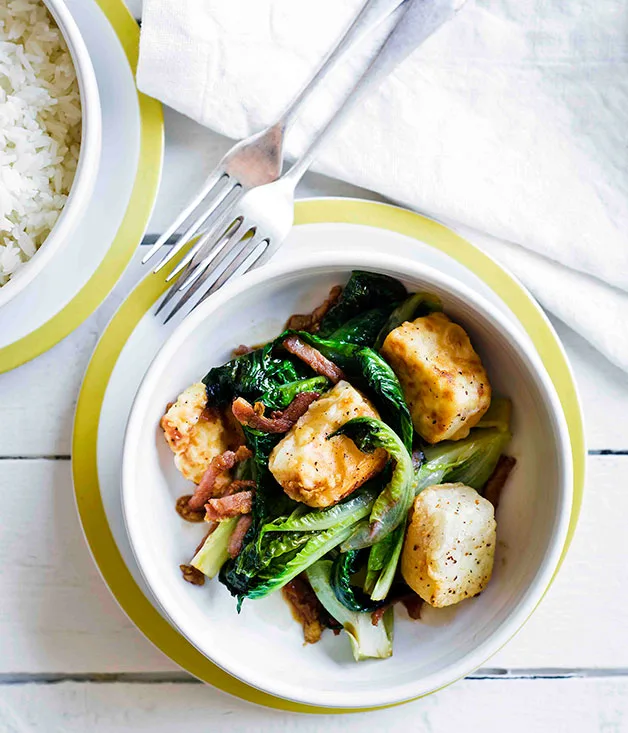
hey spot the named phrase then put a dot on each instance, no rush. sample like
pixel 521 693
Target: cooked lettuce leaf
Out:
pixel 364 291
pixel 282 569
pixel 358 505
pixel 470 461
pixel 270 559
pixel 382 580
pixel 280 396
pixel 392 504
pixel 346 565
pixel 249 376
pixel 367 641
pixel 379 554
pixel 363 328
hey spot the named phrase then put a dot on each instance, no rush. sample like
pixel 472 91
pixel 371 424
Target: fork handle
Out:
pixel 413 24
pixel 372 14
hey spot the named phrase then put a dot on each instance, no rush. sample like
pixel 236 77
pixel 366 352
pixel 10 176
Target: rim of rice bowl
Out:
pixel 14 141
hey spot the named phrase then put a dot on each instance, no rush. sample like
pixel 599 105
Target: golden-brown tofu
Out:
pixel 443 380
pixel 195 433
pixel 449 547
pixel 317 471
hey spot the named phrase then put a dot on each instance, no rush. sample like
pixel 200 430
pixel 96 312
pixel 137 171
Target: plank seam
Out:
pixel 608 452
pixel 41 457
pixel 160 678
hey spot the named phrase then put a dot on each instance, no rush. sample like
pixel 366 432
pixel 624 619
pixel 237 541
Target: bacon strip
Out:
pixel 225 461
pixel 498 478
pixel 237 538
pixel 280 421
pixel 232 488
pixel 311 321
pixel 313 357
pixel 226 507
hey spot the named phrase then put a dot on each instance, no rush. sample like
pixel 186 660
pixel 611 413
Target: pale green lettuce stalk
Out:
pixel 367 641
pixel 213 554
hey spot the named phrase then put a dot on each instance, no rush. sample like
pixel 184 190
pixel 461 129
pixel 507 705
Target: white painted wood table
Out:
pixel 71 661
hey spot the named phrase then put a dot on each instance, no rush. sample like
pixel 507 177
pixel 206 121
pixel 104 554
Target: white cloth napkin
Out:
pixel 510 123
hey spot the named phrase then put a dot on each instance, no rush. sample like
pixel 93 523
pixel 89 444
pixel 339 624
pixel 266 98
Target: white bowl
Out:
pixel 89 156
pixel 263 645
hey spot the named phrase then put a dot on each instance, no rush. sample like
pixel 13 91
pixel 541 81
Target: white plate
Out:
pixel 66 275
pixel 133 337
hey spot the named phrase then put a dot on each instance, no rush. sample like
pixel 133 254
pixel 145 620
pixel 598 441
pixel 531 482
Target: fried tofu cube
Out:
pixel 320 472
pixel 449 547
pixel 195 433
pixel 443 379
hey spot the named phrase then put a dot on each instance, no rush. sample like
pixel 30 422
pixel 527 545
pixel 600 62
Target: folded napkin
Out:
pixel 510 123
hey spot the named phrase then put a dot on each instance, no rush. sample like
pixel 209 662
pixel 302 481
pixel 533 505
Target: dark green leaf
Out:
pixel 248 376
pixel 351 597
pixel 368 371
pixel 363 328
pixel 364 291
pixel 278 397
pixel 277 574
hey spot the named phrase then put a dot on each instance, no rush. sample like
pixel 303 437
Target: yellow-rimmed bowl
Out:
pixel 263 646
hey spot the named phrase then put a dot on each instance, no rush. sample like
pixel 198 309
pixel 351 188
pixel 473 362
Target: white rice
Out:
pixel 40 129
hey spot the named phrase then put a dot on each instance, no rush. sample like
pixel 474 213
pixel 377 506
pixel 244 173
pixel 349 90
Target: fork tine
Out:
pixel 218 199
pixel 172 291
pixel 200 278
pixel 197 268
pixel 228 252
pixel 250 246
pixel 220 208
pixel 192 271
pixel 215 232
pixel 267 254
pixel 214 178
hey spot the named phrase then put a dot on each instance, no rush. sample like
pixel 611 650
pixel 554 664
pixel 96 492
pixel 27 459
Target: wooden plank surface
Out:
pixel 556 706
pixel 56 615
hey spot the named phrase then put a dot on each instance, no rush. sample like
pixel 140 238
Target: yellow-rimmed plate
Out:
pixel 80 277
pixel 134 336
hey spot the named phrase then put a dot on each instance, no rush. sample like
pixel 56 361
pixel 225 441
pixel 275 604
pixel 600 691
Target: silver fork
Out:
pixel 259 158
pixel 250 232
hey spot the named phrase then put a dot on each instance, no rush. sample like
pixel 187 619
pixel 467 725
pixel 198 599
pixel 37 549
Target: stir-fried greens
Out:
pixel 334 494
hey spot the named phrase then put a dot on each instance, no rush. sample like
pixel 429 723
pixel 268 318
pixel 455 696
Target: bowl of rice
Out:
pixel 50 136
